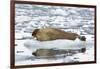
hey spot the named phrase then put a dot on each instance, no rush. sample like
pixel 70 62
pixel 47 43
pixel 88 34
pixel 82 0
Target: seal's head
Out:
pixel 35 32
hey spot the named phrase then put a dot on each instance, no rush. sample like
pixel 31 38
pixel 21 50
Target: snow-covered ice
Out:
pixel 72 19
pixel 56 44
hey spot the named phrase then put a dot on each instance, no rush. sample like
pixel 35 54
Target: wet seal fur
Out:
pixel 53 34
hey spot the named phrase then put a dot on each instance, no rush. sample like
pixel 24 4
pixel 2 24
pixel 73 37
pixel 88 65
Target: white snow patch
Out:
pixel 56 44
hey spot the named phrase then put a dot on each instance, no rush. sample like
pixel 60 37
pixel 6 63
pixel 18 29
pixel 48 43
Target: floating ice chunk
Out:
pixel 56 44
pixel 18 36
pixel 22 35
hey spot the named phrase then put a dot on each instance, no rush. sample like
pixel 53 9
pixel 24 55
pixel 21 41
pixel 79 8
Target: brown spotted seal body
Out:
pixel 53 34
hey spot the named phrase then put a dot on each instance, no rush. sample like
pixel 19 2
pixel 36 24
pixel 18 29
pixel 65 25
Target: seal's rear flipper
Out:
pixel 83 38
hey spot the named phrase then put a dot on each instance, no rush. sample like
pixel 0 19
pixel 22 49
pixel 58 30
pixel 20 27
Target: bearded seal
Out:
pixel 48 34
